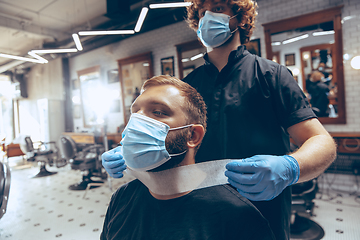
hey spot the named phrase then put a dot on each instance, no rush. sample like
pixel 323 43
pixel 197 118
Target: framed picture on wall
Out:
pixel 75 83
pixel 113 76
pixel 254 47
pixel 167 66
pixel 77 111
pixel 290 59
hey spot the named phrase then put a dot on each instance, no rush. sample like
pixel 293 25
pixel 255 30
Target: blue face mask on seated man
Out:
pixel 143 142
pixel 214 29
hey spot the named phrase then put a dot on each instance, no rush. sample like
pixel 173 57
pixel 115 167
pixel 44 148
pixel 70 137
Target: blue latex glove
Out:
pixel 113 162
pixel 262 177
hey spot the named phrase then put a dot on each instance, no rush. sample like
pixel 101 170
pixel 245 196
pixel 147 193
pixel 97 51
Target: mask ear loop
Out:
pixel 235 28
pixel 181 127
pixel 177 154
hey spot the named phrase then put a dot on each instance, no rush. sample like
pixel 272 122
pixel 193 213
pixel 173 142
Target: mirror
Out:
pixel 133 72
pixel 311 47
pixel 318 82
pixel 190 55
pixel 89 80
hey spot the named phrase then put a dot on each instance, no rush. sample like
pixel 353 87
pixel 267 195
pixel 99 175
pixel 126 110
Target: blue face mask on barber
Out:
pixel 214 29
pixel 143 142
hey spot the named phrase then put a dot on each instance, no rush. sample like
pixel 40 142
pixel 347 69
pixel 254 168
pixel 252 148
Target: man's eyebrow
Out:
pixel 154 102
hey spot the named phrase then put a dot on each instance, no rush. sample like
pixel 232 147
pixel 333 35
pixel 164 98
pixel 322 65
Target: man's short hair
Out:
pixel 195 107
pixel 246 10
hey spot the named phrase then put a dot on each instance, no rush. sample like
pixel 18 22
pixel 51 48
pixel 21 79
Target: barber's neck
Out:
pixel 188 160
pixel 219 55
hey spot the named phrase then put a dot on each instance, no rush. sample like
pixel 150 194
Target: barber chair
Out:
pixel 5 178
pixel 302 205
pixel 87 160
pixel 44 154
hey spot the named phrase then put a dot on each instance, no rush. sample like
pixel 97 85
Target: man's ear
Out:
pixel 197 135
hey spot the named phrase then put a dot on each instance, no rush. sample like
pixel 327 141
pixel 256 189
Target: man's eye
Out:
pixel 218 9
pixel 201 14
pixel 159 113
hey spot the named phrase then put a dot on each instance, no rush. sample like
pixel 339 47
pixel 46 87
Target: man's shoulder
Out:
pixel 267 65
pixel 226 195
pixel 240 215
pixel 128 187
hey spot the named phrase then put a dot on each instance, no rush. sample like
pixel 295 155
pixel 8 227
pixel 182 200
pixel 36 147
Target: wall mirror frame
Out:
pixel 131 81
pixel 253 46
pixel 184 47
pixel 327 15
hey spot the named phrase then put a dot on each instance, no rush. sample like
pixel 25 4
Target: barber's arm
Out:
pixel 263 177
pixel 317 148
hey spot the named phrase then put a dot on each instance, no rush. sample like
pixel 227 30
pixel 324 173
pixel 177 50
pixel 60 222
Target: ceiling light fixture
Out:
pixel 355 62
pixel 170 5
pixel 306 56
pixel 196 56
pixel 20 58
pixel 141 19
pixel 38 57
pixel 62 50
pixel 275 43
pixel 77 42
pixel 315 34
pixel 291 40
pixel 109 32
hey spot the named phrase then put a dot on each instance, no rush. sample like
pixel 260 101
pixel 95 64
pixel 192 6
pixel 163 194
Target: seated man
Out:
pixel 165 130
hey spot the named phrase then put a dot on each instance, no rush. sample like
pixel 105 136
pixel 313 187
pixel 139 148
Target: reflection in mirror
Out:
pixel 190 56
pixel 307 52
pixel 89 86
pixel 320 84
pixel 133 72
pixel 311 47
pixel 192 59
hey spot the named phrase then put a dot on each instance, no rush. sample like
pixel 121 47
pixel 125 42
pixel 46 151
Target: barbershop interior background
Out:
pixel 60 110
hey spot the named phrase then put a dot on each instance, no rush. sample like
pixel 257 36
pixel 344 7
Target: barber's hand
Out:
pixel 262 177
pixel 113 162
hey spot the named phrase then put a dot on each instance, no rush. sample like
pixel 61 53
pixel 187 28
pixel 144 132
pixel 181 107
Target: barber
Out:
pixel 254 107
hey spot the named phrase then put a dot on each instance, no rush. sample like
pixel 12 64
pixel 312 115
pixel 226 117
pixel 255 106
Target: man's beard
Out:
pixel 175 143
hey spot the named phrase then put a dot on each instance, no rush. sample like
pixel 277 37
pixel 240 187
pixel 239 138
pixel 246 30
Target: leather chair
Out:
pixel 302 205
pixel 44 154
pixel 5 179
pixel 87 160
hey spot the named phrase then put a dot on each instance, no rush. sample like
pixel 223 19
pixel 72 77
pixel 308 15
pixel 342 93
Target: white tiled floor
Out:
pixel 44 208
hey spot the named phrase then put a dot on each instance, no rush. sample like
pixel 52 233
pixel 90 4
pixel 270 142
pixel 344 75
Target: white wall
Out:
pixel 161 43
pixel 42 113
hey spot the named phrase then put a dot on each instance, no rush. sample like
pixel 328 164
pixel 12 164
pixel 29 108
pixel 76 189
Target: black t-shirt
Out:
pixel 218 212
pixel 251 103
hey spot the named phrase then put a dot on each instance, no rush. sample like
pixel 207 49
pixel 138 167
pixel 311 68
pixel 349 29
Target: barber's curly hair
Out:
pixel 246 10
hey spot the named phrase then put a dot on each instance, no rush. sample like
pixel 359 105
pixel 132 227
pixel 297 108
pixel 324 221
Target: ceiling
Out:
pixel 27 25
